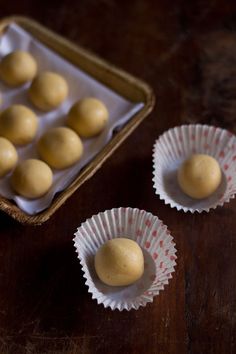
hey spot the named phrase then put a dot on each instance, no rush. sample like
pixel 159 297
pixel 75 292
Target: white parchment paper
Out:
pixel 80 85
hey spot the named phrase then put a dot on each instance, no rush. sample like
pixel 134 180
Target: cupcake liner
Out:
pixel 151 235
pixel 178 144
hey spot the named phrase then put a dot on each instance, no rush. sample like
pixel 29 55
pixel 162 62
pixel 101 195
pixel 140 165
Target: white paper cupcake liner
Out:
pixel 154 239
pixel 179 143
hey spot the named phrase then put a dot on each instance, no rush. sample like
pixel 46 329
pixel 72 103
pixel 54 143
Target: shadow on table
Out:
pixel 6 221
pixel 50 297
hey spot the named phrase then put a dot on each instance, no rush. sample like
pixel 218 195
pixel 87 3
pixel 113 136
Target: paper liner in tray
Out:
pixel 154 239
pixel 80 85
pixel 179 143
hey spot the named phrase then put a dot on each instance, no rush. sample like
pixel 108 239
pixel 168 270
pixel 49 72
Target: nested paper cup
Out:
pixel 155 241
pixel 179 143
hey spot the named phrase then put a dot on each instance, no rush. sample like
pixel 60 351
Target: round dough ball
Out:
pixel 88 117
pixel 60 147
pixel 8 156
pixel 17 68
pixel 32 178
pixel 199 176
pixel 119 262
pixel 48 90
pixel 18 124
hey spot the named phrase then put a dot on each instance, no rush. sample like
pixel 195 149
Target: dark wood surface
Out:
pixel 180 48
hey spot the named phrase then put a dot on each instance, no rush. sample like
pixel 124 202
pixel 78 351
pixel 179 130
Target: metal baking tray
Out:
pixel 118 80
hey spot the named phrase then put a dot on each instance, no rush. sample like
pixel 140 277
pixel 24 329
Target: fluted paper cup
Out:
pixel 151 235
pixel 175 146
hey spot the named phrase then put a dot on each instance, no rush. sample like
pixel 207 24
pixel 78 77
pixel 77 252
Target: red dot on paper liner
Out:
pixel 161 264
pixel 139 232
pixel 154 233
pixel 172 258
pixel 222 154
pixel 152 277
pixel 226 167
pixel 166 252
pixel 147 244
pixel 161 243
pixel 148 293
pixel 234 158
pixel 155 255
pixel 229 178
pixel 148 223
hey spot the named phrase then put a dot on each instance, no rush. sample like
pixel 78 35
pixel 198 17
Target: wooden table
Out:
pixel 186 51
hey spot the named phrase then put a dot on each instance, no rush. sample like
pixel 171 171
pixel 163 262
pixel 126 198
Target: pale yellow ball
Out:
pixel 8 156
pixel 32 178
pixel 60 147
pixel 18 124
pixel 88 117
pixel 199 176
pixel 17 68
pixel 119 262
pixel 48 90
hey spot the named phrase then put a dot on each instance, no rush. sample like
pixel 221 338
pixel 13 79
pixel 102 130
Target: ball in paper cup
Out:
pixel 177 145
pixel 150 234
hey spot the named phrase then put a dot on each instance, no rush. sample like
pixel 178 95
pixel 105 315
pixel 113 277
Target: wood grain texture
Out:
pixel 44 304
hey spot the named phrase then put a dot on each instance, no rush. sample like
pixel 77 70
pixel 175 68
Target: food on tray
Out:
pixel 8 156
pixel 18 124
pixel 17 68
pixel 48 90
pixel 199 176
pixel 119 262
pixel 32 178
pixel 88 117
pixel 60 147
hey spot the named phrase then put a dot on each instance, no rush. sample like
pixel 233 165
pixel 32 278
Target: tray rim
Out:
pixel 90 169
